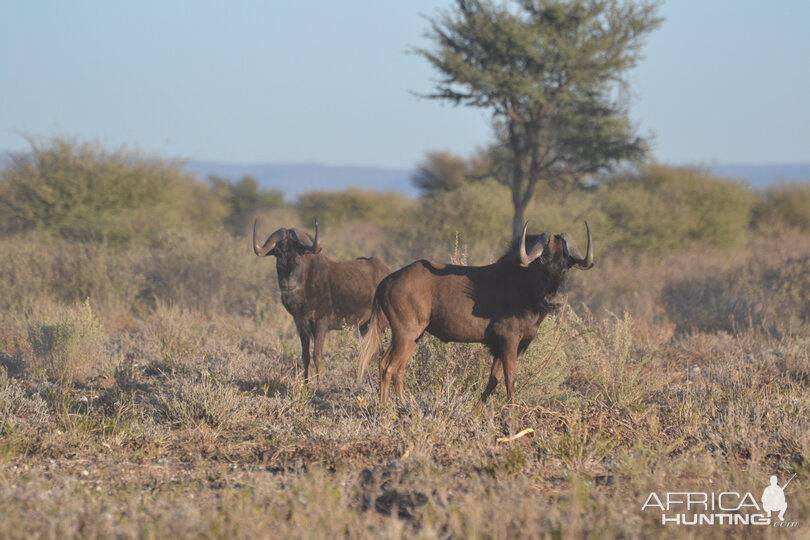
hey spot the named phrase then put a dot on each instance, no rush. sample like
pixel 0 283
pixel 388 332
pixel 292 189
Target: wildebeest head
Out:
pixel 287 245
pixel 551 256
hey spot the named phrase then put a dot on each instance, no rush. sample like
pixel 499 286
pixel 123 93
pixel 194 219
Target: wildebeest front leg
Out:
pixel 321 329
pixel 509 360
pixel 304 335
pixel 495 376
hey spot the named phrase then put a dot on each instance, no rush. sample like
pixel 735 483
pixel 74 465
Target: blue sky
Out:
pixel 332 82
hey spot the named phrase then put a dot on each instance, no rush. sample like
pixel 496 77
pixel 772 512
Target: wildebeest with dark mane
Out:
pixel 500 305
pixel 320 294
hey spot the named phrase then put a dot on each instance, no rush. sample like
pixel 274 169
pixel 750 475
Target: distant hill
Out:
pixel 761 176
pixel 295 179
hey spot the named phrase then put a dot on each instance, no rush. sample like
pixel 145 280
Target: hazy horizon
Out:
pixel 255 82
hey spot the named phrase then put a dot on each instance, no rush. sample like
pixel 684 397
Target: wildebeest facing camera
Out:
pixel 320 294
pixel 500 305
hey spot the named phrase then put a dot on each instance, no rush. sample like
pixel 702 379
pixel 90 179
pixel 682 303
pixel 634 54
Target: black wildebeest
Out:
pixel 500 305
pixel 320 294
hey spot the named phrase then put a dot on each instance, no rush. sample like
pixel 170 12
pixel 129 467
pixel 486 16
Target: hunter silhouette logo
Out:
pixel 773 498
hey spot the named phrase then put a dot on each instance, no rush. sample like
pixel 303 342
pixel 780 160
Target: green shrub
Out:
pixel 661 209
pixel 72 349
pixel 788 204
pixel 336 207
pixel 81 191
pixel 477 211
pixel 244 198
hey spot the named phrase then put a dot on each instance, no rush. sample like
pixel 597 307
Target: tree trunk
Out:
pixel 519 217
pixel 519 200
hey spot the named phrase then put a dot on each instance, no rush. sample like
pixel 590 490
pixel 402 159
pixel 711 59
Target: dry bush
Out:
pixel 609 361
pixel 357 238
pixel 71 349
pixel 758 297
pixel 434 365
pixel 545 365
pixel 703 288
pixel 170 339
pixel 212 274
pixel 18 407
pixel 38 267
pixel 197 400
pixel 217 274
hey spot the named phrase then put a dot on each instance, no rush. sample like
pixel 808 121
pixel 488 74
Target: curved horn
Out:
pixel 537 249
pixel 575 259
pixel 269 244
pixel 303 239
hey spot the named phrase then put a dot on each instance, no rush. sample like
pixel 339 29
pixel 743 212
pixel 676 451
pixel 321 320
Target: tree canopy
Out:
pixel 553 74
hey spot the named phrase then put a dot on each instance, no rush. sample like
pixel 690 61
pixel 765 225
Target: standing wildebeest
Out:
pixel 320 294
pixel 500 305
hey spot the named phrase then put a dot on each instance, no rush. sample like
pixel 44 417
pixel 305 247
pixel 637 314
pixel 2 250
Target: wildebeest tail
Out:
pixel 372 341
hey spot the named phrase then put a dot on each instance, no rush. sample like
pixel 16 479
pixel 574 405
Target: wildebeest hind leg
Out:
pixel 385 375
pixel 392 365
pixel 399 368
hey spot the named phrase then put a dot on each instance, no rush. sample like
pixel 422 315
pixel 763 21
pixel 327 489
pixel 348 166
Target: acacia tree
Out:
pixel 553 74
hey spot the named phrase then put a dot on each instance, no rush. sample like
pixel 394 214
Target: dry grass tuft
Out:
pixel 70 349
